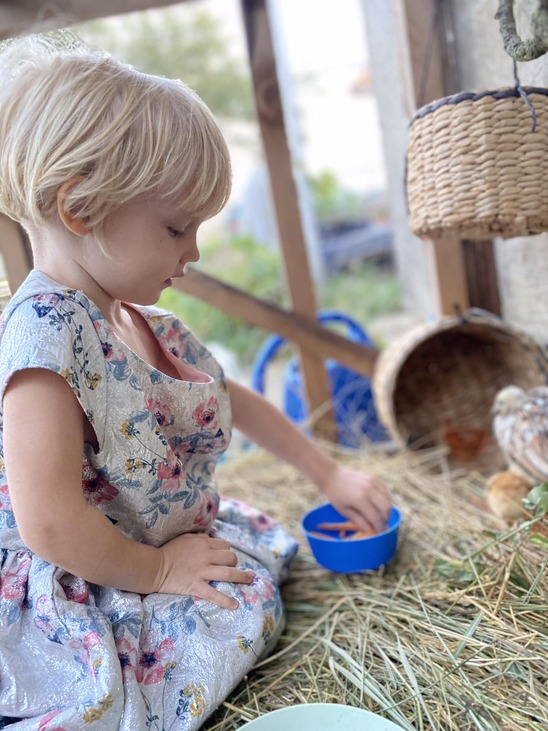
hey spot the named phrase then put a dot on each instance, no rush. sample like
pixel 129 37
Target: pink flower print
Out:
pixel 14 583
pixel 171 337
pixel 268 588
pixel 91 639
pixel 97 490
pixel 44 303
pixel 249 593
pixel 204 414
pixel 258 521
pixel 171 472
pixel 5 500
pixel 162 412
pixel 76 590
pixel 155 665
pixel 127 655
pixel 44 722
pixel 207 512
pixel 111 348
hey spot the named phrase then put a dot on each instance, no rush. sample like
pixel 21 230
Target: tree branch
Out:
pixel 514 46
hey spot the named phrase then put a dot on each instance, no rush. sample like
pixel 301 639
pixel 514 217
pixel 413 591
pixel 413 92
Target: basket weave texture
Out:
pixel 448 373
pixel 476 168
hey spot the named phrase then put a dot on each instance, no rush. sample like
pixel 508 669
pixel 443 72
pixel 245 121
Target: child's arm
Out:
pixel 43 448
pixel 359 496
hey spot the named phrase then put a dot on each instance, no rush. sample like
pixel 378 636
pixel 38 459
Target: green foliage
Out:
pixel 330 200
pixel 537 499
pixel 537 502
pixel 180 43
pixel 363 293
pixel 246 265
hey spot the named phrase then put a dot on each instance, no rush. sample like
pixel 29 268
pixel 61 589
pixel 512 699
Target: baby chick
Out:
pixel 465 442
pixel 520 426
pixel 505 492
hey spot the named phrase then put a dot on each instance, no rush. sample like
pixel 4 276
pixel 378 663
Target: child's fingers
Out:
pixel 225 557
pixel 210 594
pixel 231 576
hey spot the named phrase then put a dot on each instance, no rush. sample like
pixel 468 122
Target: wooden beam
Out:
pixel 422 51
pixel 270 116
pixel 316 340
pixel 463 278
pixel 15 252
pixel 481 275
pixel 449 274
pixel 27 15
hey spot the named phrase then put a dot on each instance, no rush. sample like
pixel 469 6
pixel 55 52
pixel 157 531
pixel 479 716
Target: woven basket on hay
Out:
pixel 439 381
pixel 475 166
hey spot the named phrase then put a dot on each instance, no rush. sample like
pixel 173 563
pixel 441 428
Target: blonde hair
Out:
pixel 67 111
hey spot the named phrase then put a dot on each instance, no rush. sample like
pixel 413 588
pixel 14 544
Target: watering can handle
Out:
pixel 272 344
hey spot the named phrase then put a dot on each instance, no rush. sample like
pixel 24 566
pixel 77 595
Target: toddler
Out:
pixel 132 597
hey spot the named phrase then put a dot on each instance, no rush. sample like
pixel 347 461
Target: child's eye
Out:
pixel 175 232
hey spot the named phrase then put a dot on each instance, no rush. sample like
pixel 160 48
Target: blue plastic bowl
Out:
pixel 348 556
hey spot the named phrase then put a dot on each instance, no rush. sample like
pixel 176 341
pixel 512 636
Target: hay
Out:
pixel 451 635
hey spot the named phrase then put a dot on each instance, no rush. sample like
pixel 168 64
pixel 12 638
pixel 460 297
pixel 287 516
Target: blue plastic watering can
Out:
pixel 353 403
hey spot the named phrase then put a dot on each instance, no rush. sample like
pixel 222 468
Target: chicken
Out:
pixel 520 426
pixel 505 492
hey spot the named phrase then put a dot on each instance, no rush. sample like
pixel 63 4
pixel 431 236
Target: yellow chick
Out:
pixel 505 492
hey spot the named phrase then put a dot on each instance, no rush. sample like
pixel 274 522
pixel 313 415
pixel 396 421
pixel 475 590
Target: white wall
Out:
pixel 413 269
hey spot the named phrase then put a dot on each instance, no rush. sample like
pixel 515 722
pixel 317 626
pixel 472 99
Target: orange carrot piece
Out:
pixel 321 535
pixel 361 534
pixel 347 525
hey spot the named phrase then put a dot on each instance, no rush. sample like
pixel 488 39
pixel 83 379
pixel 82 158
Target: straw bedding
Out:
pixel 453 634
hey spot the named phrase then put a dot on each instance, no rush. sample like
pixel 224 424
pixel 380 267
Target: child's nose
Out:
pixel 193 254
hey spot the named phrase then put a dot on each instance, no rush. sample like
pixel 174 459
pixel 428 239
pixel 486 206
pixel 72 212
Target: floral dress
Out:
pixel 75 655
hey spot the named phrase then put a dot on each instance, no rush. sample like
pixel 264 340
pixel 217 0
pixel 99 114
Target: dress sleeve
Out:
pixel 57 333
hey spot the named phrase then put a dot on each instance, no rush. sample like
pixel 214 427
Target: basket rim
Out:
pixel 505 93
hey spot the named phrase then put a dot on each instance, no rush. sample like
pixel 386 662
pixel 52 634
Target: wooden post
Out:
pixel 286 203
pixel 462 278
pixel 15 252
pixel 449 273
pixel 481 274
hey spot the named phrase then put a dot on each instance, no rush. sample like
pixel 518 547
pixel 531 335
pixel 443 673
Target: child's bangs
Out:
pixel 203 186
pixel 197 161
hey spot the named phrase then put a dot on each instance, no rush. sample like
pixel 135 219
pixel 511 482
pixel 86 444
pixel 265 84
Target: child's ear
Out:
pixel 78 226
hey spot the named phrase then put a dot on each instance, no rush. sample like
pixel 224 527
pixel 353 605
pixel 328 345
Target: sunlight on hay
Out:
pixel 451 635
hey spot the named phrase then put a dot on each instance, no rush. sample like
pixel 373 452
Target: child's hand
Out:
pixel 191 561
pixel 359 496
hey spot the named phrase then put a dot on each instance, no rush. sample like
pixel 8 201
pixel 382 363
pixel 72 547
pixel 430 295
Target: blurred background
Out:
pixel 334 130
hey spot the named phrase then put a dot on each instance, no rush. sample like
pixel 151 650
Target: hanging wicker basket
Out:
pixel 439 382
pixel 476 168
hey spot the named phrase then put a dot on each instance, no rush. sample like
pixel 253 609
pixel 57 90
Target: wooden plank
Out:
pixel 422 52
pixel 270 116
pixel 481 275
pixel 14 251
pixel 429 74
pixel 449 273
pixel 317 340
pixel 24 16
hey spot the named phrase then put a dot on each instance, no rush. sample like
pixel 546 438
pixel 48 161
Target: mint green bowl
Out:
pixel 320 717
